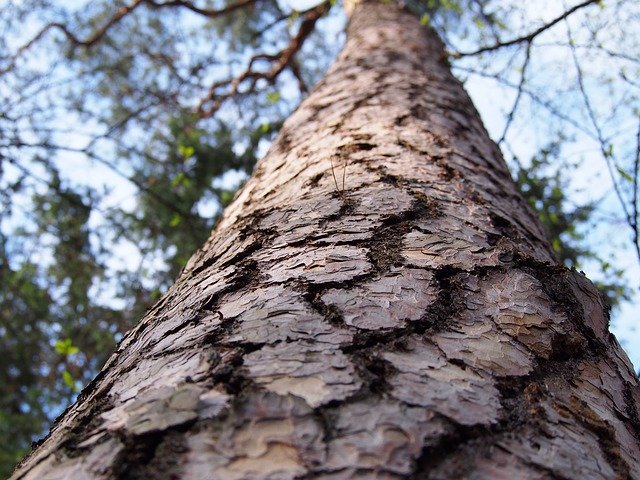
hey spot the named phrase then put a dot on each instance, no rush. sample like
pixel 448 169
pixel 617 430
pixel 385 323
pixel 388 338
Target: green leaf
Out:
pixel 68 380
pixel 175 220
pixel 625 175
pixel 186 151
pixel 66 347
pixel 180 179
pixel 425 19
pixel 451 5
pixel 226 196
pixel 273 97
pixel 479 23
pixel 265 127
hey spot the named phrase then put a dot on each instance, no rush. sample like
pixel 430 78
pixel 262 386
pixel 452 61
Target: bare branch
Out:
pixel 88 42
pixel 525 38
pixel 283 59
pixel 604 150
pixel 206 12
pixel 555 111
pixel 516 102
pixel 121 13
pixel 636 172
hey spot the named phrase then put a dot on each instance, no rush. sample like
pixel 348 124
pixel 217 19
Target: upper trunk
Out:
pixel 378 302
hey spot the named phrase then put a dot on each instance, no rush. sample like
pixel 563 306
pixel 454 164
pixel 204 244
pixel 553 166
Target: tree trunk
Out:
pixel 378 302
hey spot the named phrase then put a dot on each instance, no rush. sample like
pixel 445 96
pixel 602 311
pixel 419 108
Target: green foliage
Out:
pixel 66 347
pixel 544 185
pixel 273 97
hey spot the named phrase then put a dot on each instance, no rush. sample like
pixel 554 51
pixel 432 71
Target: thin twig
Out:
pixel 153 194
pixel 344 174
pixel 533 96
pixel 525 64
pixel 608 157
pixel 525 38
pixel 636 168
pixel 335 179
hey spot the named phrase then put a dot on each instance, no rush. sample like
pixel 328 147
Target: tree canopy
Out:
pixel 126 126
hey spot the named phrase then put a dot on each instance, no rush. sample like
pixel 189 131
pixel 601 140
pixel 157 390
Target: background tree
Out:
pixel 145 81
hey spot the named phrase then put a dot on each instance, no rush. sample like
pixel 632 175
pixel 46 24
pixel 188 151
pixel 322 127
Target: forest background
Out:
pixel 126 127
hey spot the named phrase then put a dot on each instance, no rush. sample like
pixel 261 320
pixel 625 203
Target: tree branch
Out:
pixel 525 38
pixel 507 125
pixel 283 59
pixel 206 12
pixel 121 13
pixel 636 172
pixel 603 144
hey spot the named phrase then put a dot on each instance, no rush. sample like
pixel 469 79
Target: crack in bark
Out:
pixel 606 436
pixel 632 410
pixel 556 287
pixel 152 456
pixel 472 438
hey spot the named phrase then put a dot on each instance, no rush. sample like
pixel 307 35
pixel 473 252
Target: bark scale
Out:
pixel 378 302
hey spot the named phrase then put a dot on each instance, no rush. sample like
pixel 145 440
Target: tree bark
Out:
pixel 378 302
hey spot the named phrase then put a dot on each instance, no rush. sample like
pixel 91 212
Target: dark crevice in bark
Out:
pixel 247 226
pixel 367 339
pixel 446 306
pixel 448 303
pixel 504 226
pixel 357 146
pixel 152 456
pixel 255 246
pixel 466 441
pixel 606 437
pixel 85 424
pixel 448 172
pixel 261 238
pixel 520 394
pixel 246 275
pixel 374 371
pixel 555 285
pixel 315 180
pixel 427 204
pixel 385 248
pixel 325 417
pixel 313 295
pixel 632 410
pixel 136 454
pixel 229 374
pixel 347 206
